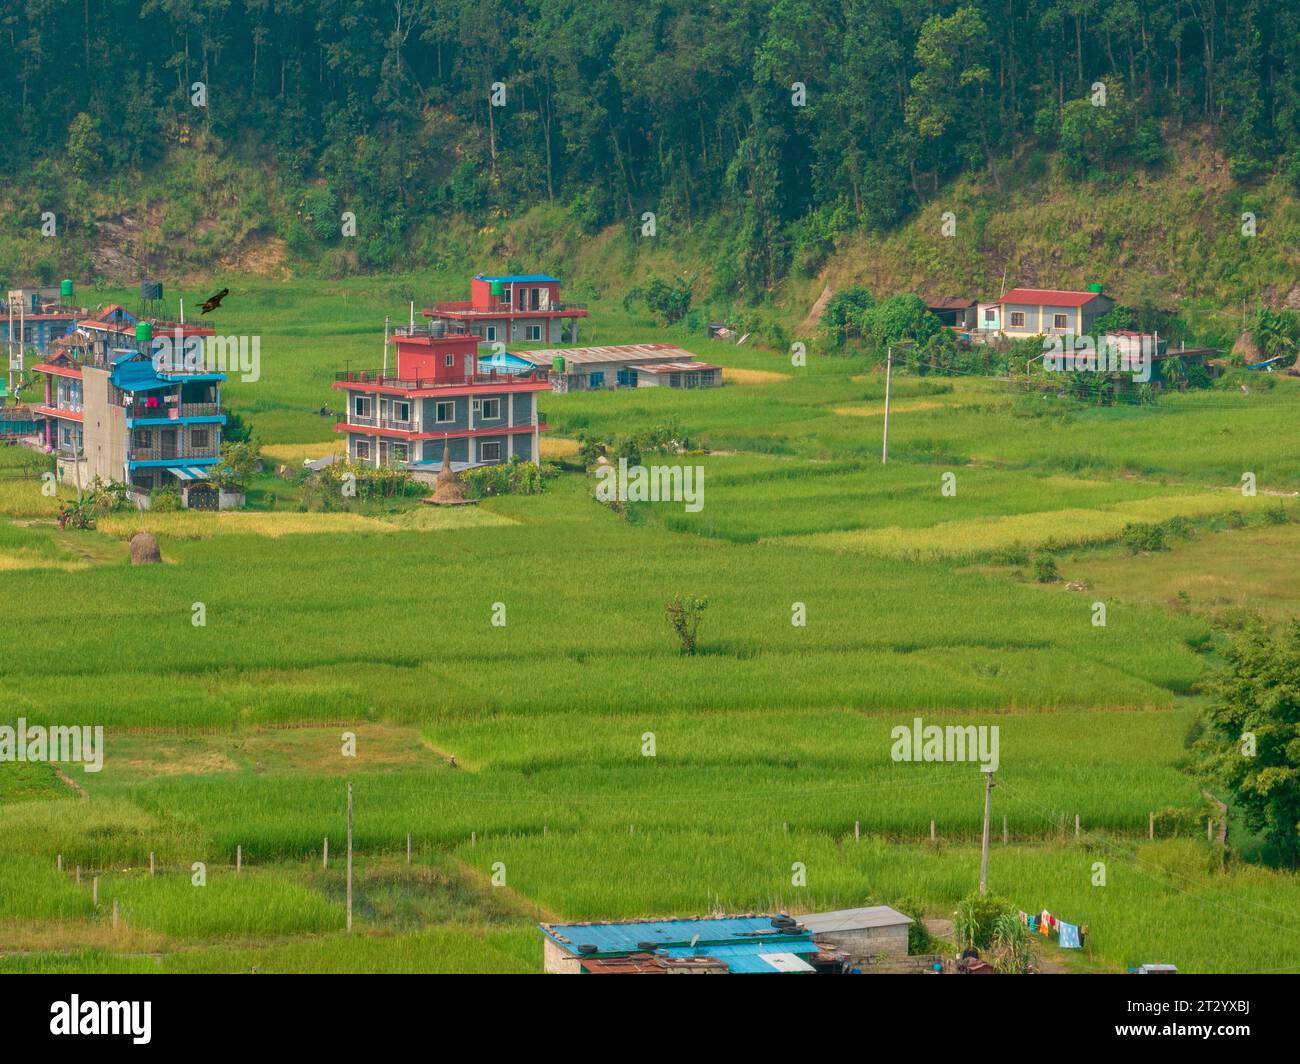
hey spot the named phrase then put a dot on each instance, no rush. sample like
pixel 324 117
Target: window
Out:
pixel 451 360
pixel 1060 321
pixel 490 409
pixel 401 410
pixel 490 332
pixel 990 314
pixel 532 332
pixel 198 438
pixel 361 449
pixel 506 296
pixel 142 437
pixel 489 452
pixel 444 412
pixel 1017 319
pixel 361 406
pixel 627 378
pixel 401 452
pixel 596 380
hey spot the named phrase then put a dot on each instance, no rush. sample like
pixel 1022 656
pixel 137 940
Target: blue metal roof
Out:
pixel 747 958
pixel 505 362
pixel 626 937
pixel 139 375
pixel 520 278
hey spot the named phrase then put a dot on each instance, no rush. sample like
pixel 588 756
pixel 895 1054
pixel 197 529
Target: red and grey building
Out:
pixel 440 396
pixel 510 308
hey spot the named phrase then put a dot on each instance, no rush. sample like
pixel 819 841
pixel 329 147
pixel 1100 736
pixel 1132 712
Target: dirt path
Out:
pixel 815 314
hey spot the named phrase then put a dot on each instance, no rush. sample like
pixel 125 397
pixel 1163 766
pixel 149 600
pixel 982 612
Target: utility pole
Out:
pixel 984 851
pixel 889 374
pixel 350 856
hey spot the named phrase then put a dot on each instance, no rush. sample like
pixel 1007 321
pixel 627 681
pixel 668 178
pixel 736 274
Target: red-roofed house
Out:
pixel 1042 311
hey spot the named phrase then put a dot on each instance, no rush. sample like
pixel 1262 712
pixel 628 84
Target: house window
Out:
pixel 627 378
pixel 361 406
pixel 490 332
pixel 489 409
pixel 990 314
pixel 506 296
pixel 1060 321
pixel 1017 319
pixel 401 452
pixel 401 410
pixel 444 412
pixel 451 360
pixel 362 449
pixel 532 332
pixel 198 438
pixel 143 437
pixel 489 452
pixel 596 380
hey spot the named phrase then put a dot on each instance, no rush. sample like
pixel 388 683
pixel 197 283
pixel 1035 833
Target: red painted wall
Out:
pixel 425 358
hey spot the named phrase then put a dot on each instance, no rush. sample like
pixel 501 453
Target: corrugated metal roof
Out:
pixel 628 937
pixel 520 278
pixel 576 356
pixel 853 919
pixel 749 958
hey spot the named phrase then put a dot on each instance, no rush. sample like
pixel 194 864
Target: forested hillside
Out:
pixel 800 123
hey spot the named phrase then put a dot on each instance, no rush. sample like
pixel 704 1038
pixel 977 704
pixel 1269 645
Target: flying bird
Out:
pixel 213 302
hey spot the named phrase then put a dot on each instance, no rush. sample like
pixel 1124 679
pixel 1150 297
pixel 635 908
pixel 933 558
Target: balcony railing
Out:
pixel 374 422
pixel 496 308
pixel 378 380
pixel 158 451
pixel 174 410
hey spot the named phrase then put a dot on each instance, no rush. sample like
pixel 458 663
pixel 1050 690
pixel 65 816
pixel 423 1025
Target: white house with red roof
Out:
pixel 1043 311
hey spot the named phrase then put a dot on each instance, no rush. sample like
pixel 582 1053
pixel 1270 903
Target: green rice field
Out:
pixel 515 756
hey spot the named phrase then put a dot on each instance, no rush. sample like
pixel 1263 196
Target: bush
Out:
pixel 1045 571
pixel 515 477
pixel 976 919
pixel 164 501
pixel 1141 538
pixel 685 614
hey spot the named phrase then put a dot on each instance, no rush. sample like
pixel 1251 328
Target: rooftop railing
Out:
pixel 379 380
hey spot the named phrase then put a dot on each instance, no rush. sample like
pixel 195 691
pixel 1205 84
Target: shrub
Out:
pixel 684 614
pixel 1142 538
pixel 1045 571
pixel 164 501
pixel 976 919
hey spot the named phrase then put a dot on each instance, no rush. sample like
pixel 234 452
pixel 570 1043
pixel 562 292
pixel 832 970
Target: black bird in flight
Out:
pixel 213 302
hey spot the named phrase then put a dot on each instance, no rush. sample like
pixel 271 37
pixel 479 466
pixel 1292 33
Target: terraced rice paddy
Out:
pixel 770 746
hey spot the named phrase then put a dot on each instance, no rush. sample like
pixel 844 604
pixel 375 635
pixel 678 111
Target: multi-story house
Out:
pixel 114 411
pixel 440 397
pixel 512 308
pixel 36 317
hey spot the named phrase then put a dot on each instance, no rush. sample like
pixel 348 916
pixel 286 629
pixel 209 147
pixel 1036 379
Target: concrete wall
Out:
pixel 104 425
pixel 557 961
pixel 869 941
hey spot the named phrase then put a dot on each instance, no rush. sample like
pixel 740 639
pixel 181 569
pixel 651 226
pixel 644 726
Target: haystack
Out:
pixel 447 488
pixel 144 549
pixel 1248 348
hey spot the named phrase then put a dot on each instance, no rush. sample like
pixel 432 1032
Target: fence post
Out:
pixel 151 864
pixel 1151 825
pixel 94 892
pixel 933 837
pixel 239 859
pixel 325 853
pixel 857 830
pixel 1005 836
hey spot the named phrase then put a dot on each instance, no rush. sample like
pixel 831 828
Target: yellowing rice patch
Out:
pixel 1045 528
pixel 20 560
pixel 752 376
pixel 558 447
pixel 297 453
pixel 193 524
pixel 878 409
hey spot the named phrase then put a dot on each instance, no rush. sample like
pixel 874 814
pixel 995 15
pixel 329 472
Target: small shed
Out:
pixel 956 312
pixel 871 931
